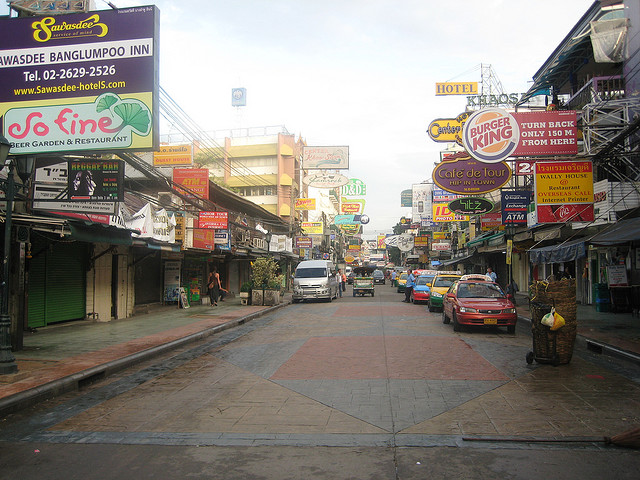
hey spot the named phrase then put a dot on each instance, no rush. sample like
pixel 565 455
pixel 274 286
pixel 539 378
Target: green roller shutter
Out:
pixel 57 282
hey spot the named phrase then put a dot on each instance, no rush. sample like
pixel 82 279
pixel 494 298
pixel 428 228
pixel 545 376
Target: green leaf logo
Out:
pixel 134 114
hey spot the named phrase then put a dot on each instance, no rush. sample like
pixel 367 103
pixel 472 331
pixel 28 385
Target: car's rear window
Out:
pixel 444 281
pixel 479 290
pixel 423 280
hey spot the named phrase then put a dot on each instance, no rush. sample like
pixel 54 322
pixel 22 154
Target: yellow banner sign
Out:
pixel 457 88
pixel 441 213
pixel 170 155
pixel 564 183
pixel 447 130
pixel 312 228
pixel 305 204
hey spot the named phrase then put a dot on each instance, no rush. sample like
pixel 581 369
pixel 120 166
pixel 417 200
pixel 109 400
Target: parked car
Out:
pixel 422 289
pixel 402 281
pixel 378 277
pixel 441 283
pixel 474 301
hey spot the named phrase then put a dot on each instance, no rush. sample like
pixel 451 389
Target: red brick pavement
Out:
pixel 401 357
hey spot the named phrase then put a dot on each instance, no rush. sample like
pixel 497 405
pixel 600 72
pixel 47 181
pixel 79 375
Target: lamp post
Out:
pixel 7 360
pixel 24 166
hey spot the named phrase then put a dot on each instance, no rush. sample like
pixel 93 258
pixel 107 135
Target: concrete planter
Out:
pixel 271 297
pixel 244 298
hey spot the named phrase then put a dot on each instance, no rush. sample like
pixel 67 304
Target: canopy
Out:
pixel 564 252
pixel 624 231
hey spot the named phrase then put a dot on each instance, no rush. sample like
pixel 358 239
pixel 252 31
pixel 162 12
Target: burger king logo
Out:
pixel 491 135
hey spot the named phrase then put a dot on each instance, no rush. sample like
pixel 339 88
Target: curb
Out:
pixel 73 382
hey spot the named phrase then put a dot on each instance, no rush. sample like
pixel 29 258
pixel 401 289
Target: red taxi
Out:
pixel 477 300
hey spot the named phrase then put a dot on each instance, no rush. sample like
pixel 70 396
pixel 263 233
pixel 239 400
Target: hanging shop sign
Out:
pixel 448 130
pixel 304 242
pixel 171 155
pixel 406 198
pixel 344 220
pixel 215 220
pixel 312 228
pixel 491 221
pixel 441 213
pixel 51 190
pixel 194 180
pixel 153 224
pixel 421 241
pixel 350 229
pixel 80 81
pixel 350 207
pixel 514 206
pixel 470 176
pixel 325 158
pixel 471 206
pixel 493 134
pixel 457 88
pixel 405 242
pixel 305 204
pixel 380 242
pixel 354 188
pixel 564 192
pixel 325 180
pixel 441 246
pixel 96 180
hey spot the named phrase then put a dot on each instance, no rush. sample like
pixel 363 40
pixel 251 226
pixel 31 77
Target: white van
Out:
pixel 315 279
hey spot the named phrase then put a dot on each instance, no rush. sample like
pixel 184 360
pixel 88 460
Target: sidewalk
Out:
pixel 59 358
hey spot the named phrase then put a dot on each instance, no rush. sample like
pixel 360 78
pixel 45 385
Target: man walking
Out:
pixel 339 280
pixel 393 278
pixel 411 281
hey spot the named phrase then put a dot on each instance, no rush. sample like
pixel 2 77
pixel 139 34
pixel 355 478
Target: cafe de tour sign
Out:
pixel 464 175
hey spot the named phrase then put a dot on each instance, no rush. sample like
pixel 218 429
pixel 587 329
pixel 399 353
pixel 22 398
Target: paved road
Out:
pixel 378 388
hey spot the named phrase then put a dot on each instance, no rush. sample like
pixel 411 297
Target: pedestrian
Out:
pixel 393 278
pixel 339 280
pixel 215 287
pixel 408 288
pixel 344 282
pixel 490 273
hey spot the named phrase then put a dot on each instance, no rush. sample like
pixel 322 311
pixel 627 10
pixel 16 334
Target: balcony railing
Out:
pixel 598 89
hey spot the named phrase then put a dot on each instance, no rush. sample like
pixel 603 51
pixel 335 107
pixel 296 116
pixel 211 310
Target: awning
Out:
pixel 622 232
pixel 98 233
pixel 479 240
pixel 563 252
pixel 547 234
pixel 456 260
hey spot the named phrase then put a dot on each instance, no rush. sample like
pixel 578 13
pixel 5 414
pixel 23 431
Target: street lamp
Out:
pixel 24 165
pixel 7 360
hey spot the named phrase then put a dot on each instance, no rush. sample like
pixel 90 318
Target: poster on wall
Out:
pixel 171 280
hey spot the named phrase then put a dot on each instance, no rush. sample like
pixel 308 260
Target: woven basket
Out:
pixel 562 296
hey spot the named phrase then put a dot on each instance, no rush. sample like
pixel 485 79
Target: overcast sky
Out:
pixel 360 73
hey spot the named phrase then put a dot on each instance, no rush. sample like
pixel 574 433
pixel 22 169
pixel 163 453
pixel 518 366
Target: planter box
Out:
pixel 244 298
pixel 271 297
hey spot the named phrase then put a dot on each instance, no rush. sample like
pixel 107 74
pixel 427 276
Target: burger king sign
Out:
pixel 491 135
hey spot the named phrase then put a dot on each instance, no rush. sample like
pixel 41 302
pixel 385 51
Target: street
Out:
pixel 362 387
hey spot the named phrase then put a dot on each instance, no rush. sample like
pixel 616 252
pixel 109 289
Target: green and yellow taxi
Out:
pixel 401 280
pixel 439 286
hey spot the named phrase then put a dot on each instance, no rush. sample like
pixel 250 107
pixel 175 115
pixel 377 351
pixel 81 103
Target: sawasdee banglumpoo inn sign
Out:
pixel 82 81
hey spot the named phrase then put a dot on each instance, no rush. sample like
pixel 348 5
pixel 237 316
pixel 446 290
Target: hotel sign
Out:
pixel 457 88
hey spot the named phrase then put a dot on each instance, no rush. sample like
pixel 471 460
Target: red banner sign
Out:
pixel 195 181
pixel 213 220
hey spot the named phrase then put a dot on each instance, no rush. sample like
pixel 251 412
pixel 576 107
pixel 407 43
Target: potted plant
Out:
pixel 245 293
pixel 265 281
